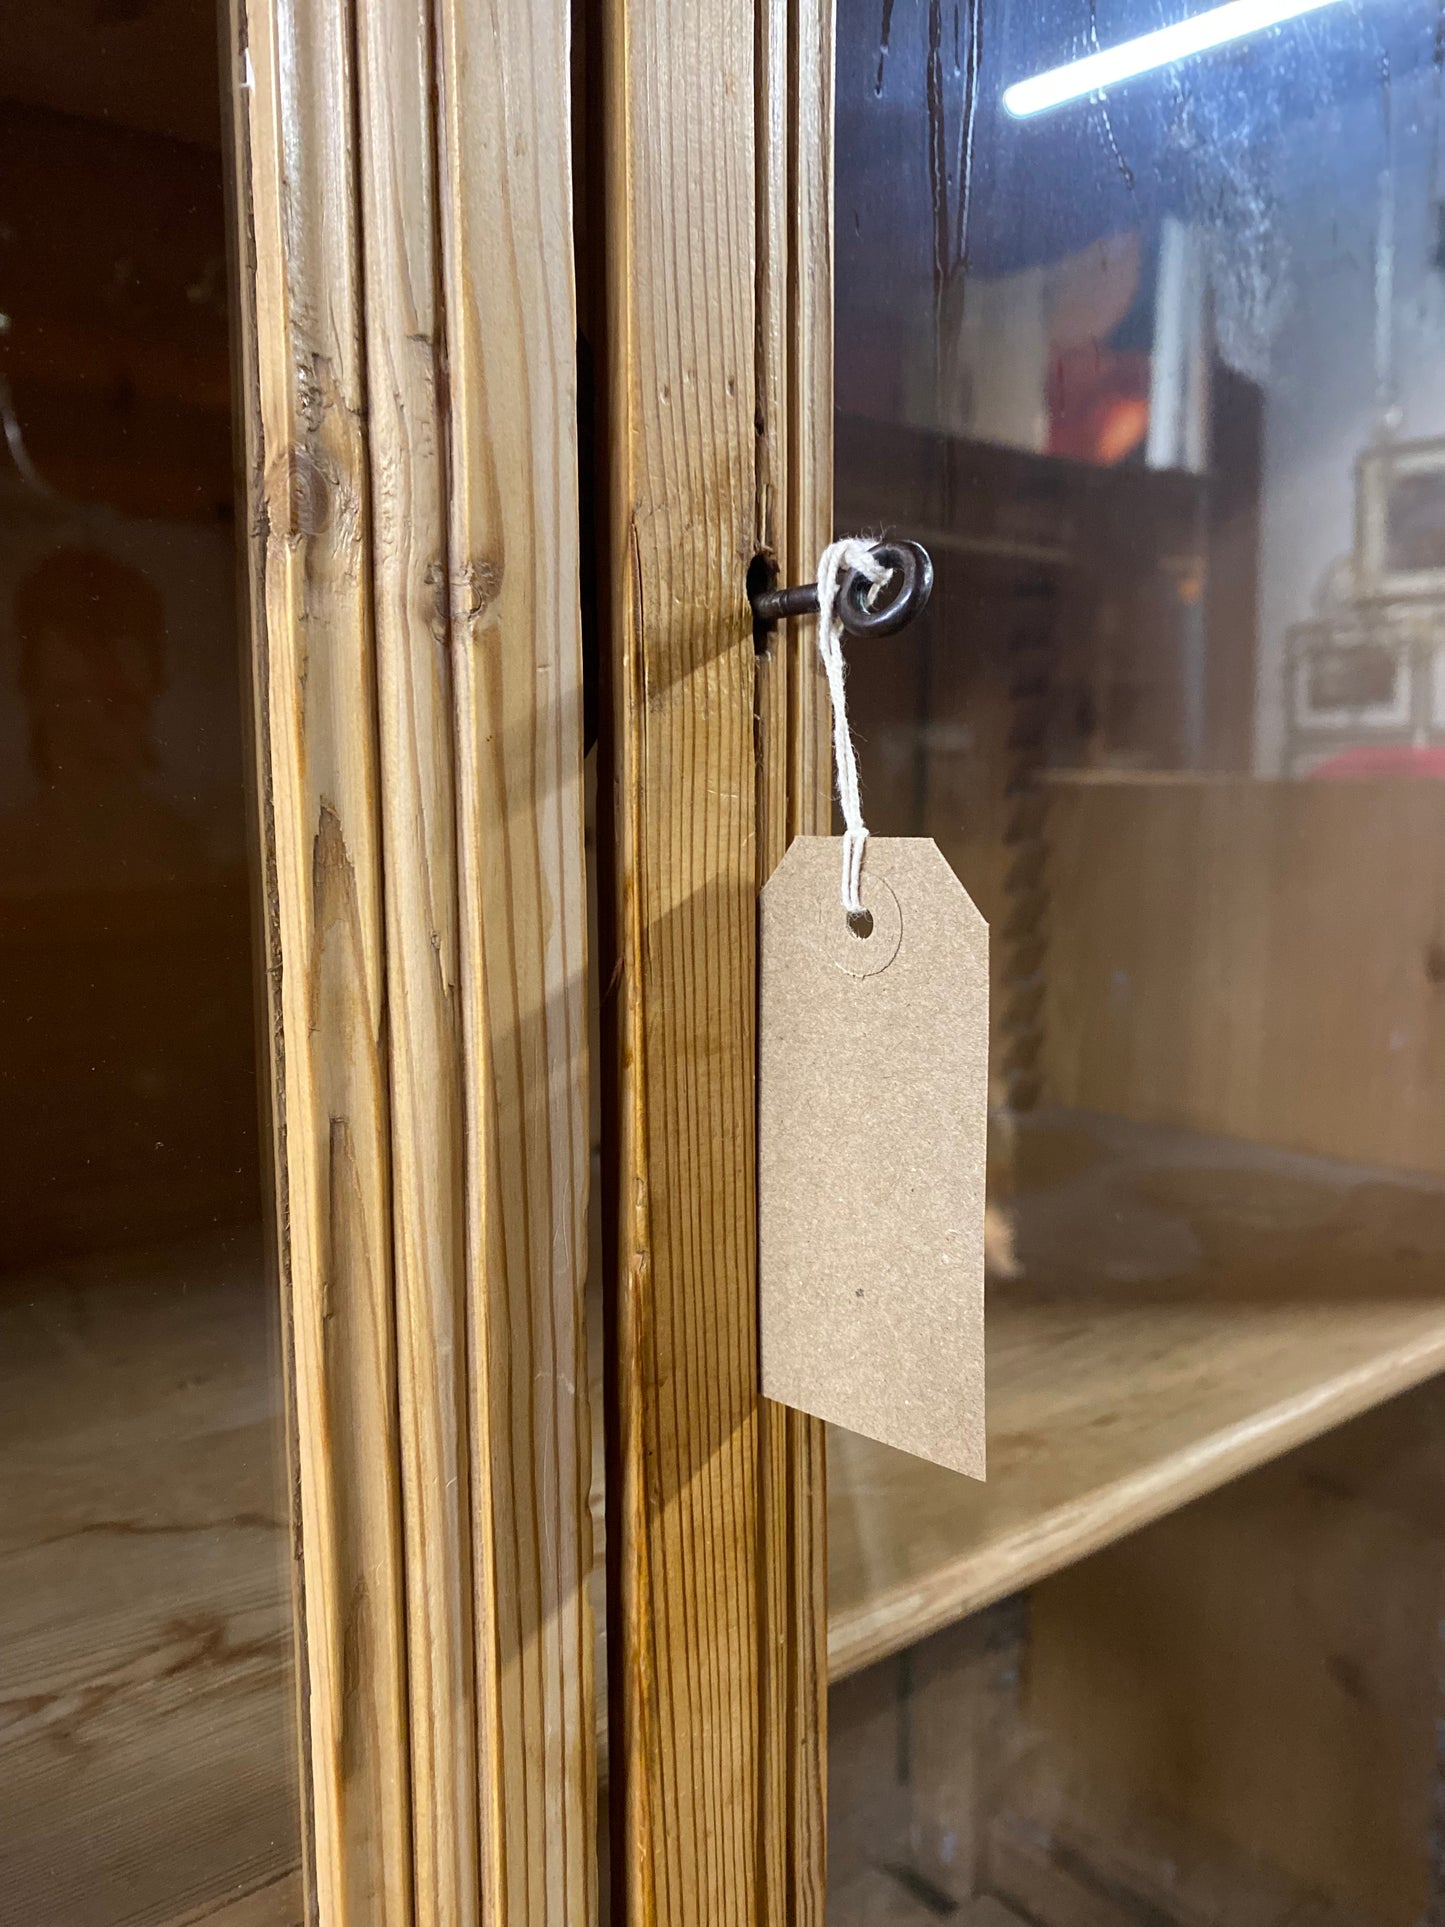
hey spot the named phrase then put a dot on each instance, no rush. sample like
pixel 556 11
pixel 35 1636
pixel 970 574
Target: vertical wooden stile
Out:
pixel 773 373
pixel 308 529
pixel 796 454
pixel 510 301
pixel 407 371
pixel 810 397
pixel 395 94
pixel 716 179
pixel 805 493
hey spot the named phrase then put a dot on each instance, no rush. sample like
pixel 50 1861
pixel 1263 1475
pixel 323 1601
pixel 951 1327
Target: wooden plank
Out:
pixel 458 777
pixel 1259 959
pixel 794 492
pixel 147 1692
pixel 1084 1400
pixel 424 1026
pixel 510 309
pixel 714 1527
pixel 279 1903
pixel 870 1803
pixel 1261 1672
pixel 1189 1309
pixel 878 1898
pixel 302 399
pixel 922 1751
pixel 1061 1874
pixel 965 1737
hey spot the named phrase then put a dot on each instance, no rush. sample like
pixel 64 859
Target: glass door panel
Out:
pixel 148 1767
pixel 1156 369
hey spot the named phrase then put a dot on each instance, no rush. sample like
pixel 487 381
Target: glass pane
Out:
pixel 1156 369
pixel 147 1694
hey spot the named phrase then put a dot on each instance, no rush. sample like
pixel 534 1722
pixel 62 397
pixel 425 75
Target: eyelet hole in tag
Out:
pixel 863 952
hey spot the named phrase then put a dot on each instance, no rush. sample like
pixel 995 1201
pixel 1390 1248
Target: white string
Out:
pixel 838 560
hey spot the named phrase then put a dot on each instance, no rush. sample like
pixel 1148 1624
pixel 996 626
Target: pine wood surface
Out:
pixel 1189 1308
pixel 302 399
pixel 405 186
pixel 504 160
pixel 714 432
pixel 147 1728
pixel 922 1751
pixel 423 1030
pixel 1060 1874
pixel 1261 959
pixel 1260 1672
pixel 1256 1299
pixel 276 1903
pixel 794 520
pixel 1227 1717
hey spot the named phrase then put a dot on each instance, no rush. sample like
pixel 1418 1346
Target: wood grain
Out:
pixel 1106 1414
pixel 1259 1671
pixel 417 798
pixel 147 1727
pixel 922 1752
pixel 714 1529
pixel 1260 959
pixel 279 1903
pixel 510 315
pixel 302 398
pixel 794 501
pixel 1190 1308
pixel 437 536
pixel 1060 1873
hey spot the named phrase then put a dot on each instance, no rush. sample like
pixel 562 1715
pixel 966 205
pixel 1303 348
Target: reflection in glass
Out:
pixel 147 1720
pixel 1159 377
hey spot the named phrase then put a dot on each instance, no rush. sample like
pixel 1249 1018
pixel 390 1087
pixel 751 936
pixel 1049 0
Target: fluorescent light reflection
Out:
pixel 1114 64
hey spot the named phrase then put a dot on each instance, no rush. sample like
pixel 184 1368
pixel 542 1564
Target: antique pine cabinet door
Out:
pixel 533 314
pixel 413 278
pixel 391 1530
pixel 406 375
pixel 708 269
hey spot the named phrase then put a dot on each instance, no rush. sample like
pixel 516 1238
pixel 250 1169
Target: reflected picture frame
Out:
pixel 1400 530
pixel 1349 677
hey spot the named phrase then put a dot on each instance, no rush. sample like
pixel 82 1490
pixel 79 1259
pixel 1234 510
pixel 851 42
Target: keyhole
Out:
pixel 860 922
pixel 762 575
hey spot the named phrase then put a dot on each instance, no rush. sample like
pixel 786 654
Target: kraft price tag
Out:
pixel 872 1126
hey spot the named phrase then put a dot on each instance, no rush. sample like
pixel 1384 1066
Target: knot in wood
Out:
pixel 299 493
pixel 475 587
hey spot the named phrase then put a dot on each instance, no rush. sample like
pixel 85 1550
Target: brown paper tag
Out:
pixel 873 1116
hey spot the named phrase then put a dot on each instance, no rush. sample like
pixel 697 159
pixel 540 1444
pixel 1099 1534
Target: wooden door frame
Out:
pixel 401 195
pixel 713 220
pixel 405 380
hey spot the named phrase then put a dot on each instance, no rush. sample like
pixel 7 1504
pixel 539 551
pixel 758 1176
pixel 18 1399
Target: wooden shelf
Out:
pixel 1189 1307
pixel 148 1714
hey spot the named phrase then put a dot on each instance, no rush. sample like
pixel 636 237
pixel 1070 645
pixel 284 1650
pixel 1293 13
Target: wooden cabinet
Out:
pixel 392 1529
pixel 296 1541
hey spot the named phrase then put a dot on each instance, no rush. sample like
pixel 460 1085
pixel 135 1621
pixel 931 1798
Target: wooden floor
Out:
pixel 1187 1308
